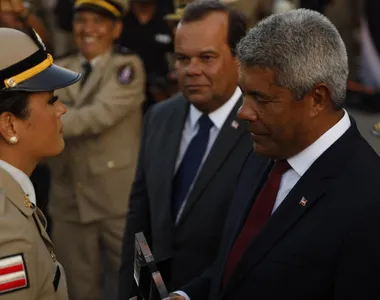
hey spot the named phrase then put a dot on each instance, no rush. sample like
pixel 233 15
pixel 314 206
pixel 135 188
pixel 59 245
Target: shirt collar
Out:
pixel 93 61
pixel 302 161
pixel 22 179
pixel 219 116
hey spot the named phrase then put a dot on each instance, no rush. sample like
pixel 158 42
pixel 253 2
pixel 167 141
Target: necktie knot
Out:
pixel 281 166
pixel 205 123
pixel 87 67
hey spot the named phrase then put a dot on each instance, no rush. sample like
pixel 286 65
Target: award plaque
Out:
pixel 146 267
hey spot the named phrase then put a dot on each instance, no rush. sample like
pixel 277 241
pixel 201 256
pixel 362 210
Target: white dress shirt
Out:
pixel 218 117
pixel 302 161
pixel 22 179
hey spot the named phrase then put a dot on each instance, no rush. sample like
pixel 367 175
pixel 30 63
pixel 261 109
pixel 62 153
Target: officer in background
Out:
pixel 146 33
pixel 91 180
pixel 253 10
pixel 30 130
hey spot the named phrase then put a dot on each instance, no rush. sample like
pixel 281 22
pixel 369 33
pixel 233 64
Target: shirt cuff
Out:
pixel 183 294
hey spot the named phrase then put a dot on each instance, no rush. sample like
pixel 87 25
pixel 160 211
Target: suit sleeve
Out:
pixel 359 265
pixel 199 288
pixel 138 219
pixel 113 103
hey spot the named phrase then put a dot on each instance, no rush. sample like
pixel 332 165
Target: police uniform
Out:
pixel 28 266
pixel 92 178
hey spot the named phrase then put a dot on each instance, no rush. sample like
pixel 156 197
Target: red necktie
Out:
pixel 258 216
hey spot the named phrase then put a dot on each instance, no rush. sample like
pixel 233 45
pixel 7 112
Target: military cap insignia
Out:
pixel 126 74
pixel 13 274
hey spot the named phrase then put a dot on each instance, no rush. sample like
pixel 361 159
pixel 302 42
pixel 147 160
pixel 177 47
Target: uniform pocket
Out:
pixel 100 164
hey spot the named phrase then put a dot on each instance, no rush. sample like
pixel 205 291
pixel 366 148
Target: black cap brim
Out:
pixel 50 79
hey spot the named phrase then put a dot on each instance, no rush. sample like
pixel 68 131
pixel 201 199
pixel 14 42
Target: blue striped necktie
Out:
pixel 191 161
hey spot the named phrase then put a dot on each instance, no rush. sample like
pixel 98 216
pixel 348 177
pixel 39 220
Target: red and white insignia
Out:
pixel 303 201
pixel 126 74
pixel 13 274
pixel 235 124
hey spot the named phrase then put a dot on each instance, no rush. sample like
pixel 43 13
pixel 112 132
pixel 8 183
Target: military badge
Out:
pixel 126 74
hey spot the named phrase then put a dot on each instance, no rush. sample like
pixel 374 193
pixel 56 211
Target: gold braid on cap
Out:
pixel 100 3
pixel 28 67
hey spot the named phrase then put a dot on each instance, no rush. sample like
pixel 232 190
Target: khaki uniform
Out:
pixel 27 258
pixel 92 178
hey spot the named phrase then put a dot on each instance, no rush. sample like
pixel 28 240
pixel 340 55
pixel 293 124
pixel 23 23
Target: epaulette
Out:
pixel 67 54
pixel 122 50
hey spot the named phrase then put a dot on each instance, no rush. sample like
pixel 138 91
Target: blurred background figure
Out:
pixel 253 10
pixel 149 35
pixel 365 102
pixel 18 15
pixel 92 178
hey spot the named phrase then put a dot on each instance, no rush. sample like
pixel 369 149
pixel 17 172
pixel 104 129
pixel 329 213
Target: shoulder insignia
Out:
pixel 126 74
pixel 13 274
pixel 65 55
pixel 123 50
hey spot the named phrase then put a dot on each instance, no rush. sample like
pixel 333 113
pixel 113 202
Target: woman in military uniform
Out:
pixel 30 130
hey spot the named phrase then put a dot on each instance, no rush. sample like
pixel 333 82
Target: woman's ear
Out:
pixel 7 128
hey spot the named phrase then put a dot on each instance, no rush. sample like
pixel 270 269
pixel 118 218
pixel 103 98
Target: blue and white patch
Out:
pixel 126 74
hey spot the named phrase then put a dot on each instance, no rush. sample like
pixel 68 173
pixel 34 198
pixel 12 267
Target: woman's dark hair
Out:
pixel 15 103
pixel 237 23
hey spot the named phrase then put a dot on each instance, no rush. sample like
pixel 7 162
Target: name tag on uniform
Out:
pixel 163 38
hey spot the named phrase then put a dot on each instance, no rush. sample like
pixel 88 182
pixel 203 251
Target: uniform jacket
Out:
pixel 91 179
pixel 27 258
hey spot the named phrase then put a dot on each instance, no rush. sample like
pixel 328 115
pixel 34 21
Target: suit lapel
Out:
pixel 171 137
pixel 311 187
pixel 255 172
pixel 223 145
pixel 93 79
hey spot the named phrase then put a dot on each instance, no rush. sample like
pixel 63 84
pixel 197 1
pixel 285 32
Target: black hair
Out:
pixel 237 23
pixel 15 102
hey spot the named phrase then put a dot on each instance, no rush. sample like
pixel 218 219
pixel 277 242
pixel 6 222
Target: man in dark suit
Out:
pixel 192 150
pixel 310 228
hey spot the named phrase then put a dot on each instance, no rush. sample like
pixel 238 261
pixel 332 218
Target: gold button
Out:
pixel 111 164
pixel 11 82
pixel 52 254
pixel 79 185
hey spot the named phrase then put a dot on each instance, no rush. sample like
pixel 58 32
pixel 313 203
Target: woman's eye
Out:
pixel 53 99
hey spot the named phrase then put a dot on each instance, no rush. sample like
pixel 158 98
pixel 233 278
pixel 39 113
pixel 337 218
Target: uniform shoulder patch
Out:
pixel 66 55
pixel 126 74
pixel 13 274
pixel 122 50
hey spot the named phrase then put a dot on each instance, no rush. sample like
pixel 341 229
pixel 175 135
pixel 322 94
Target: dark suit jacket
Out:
pixel 193 243
pixel 326 250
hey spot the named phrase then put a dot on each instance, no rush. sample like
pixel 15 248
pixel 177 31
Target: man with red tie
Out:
pixel 310 228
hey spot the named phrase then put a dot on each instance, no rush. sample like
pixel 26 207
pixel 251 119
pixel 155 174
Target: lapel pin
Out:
pixel 234 124
pixel 303 201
